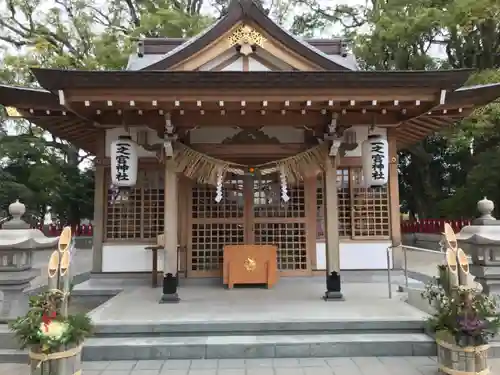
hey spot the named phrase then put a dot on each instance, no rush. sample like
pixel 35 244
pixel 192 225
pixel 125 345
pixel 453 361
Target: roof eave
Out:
pixel 54 80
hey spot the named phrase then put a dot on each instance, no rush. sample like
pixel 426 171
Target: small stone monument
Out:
pixel 481 240
pixel 17 243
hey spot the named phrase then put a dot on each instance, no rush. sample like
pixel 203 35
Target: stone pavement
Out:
pixel 268 366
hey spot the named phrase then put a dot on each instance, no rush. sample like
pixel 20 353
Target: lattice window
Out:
pixel 344 202
pixel 215 225
pixel 344 205
pixel 139 216
pixel 204 206
pixel 290 238
pixel 362 212
pixel 370 209
pixel 208 241
pixel 268 203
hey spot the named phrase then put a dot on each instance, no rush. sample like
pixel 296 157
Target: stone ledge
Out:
pixel 272 346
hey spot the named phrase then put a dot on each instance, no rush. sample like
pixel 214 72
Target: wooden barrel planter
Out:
pixel 456 360
pixel 66 362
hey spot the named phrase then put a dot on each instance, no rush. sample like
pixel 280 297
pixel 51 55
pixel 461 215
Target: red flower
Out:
pixel 46 319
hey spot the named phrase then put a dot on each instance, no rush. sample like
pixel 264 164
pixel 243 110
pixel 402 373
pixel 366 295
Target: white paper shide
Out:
pixel 375 160
pixel 124 162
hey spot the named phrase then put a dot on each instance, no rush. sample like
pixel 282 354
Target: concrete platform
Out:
pixel 286 321
pixel 290 320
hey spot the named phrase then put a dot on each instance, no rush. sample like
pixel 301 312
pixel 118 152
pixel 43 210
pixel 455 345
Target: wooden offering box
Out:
pixel 250 264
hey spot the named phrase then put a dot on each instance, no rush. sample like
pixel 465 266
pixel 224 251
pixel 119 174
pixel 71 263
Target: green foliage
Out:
pixel 44 310
pixel 440 176
pixel 37 167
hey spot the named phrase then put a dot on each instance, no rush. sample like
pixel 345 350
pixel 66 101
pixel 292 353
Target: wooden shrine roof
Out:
pixel 43 107
pixel 244 11
pixel 56 79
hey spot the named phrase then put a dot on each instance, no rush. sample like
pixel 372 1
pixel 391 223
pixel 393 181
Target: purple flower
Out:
pixel 469 325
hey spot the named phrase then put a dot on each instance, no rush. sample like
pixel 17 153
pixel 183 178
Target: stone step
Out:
pixel 13 356
pixel 222 328
pixel 266 346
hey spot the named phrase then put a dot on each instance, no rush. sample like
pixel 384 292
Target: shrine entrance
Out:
pixel 251 212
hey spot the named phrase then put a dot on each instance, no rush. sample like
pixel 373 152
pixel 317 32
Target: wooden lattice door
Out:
pixel 282 224
pixel 214 225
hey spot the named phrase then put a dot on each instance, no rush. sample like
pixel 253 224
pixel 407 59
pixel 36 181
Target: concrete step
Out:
pixel 221 328
pixel 13 356
pixel 265 346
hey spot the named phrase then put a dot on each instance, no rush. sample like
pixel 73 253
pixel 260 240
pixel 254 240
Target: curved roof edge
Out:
pixel 240 10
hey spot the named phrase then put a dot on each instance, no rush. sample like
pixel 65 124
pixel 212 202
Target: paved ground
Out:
pixel 292 299
pixel 286 366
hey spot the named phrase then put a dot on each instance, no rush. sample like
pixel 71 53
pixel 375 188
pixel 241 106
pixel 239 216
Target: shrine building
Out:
pixel 245 134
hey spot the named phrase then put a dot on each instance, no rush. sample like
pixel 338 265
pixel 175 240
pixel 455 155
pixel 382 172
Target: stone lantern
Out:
pixel 481 240
pixel 17 243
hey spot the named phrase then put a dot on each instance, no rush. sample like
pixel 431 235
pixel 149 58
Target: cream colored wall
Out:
pixel 362 135
pixel 114 133
pixel 217 134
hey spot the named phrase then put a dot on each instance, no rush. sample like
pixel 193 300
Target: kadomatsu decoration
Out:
pixel 53 336
pixel 465 319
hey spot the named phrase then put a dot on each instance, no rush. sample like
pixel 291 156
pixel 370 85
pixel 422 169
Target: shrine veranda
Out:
pixel 245 135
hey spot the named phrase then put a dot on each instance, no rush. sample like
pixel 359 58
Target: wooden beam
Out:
pixel 190 119
pixel 242 151
pixel 256 95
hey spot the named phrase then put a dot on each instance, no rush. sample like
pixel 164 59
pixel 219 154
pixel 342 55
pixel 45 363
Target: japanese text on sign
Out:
pixel 378 159
pixel 122 161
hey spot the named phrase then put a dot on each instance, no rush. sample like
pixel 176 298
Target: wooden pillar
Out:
pixel 100 202
pixel 171 235
pixel 333 284
pixel 310 187
pixel 395 215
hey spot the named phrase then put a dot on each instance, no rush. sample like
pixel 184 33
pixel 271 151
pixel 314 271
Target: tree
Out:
pixel 435 174
pixel 38 167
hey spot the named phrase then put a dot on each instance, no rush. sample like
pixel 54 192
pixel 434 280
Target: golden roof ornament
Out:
pixel 246 37
pixel 12 112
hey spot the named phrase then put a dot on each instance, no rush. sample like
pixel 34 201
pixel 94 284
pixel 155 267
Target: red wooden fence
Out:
pixel 53 230
pixel 432 225
pixel 407 226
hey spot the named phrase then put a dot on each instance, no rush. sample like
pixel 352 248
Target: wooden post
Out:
pixel 100 203
pixel 394 210
pixel 170 221
pixel 333 284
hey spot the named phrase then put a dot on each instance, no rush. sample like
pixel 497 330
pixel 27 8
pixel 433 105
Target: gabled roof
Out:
pixel 240 11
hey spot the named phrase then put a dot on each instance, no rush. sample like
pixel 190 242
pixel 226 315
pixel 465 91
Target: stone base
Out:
pixel 333 287
pixel 14 304
pixel 170 298
pixel 170 283
pixel 333 296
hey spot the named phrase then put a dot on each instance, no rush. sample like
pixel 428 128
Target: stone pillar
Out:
pixel 170 216
pixel 333 284
pixel 481 240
